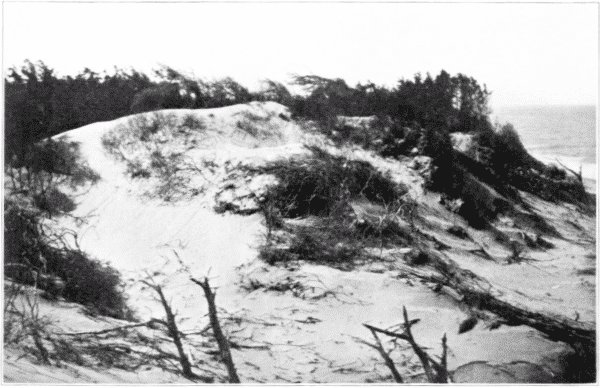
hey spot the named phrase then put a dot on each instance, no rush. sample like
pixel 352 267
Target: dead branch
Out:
pixel 385 355
pixel 147 323
pixel 481 294
pixel 218 333
pixel 577 175
pixel 481 252
pixel 436 372
pixel 173 331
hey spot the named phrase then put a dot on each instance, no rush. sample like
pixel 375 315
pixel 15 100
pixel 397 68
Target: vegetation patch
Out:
pixel 39 254
pixel 322 188
pixel 322 184
pixel 325 240
pixel 141 145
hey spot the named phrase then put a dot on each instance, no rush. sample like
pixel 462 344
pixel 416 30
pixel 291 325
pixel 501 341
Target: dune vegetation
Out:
pixel 407 195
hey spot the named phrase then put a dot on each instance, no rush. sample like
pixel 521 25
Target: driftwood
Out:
pixel 481 294
pixel 218 333
pixel 436 372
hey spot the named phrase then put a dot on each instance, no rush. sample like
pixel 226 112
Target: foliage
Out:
pixel 457 103
pixel 274 91
pixel 163 96
pixel 328 240
pixel 45 169
pixel 322 184
pixel 40 104
pixel 36 252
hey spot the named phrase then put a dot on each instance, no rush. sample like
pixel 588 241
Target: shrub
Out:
pixel 48 165
pixel 163 96
pixel 54 202
pixel 40 104
pixel 33 252
pixel 191 121
pixel 272 255
pixel 274 91
pixel 326 241
pixel 509 152
pixel 38 254
pixel 399 140
pixel 317 247
pixel 88 281
pixel 322 184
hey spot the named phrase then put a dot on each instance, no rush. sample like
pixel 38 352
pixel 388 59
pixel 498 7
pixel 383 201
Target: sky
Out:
pixel 526 54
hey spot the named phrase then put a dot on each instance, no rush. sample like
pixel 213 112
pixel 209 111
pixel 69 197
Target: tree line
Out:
pixel 39 103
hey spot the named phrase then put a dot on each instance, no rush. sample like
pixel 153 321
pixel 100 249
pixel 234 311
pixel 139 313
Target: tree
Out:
pixel 328 98
pixel 164 96
pixel 275 91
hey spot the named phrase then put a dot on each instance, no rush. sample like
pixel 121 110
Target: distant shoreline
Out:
pixel 590 185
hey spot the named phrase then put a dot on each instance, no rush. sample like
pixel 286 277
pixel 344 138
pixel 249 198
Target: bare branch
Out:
pixel 147 323
pixel 386 357
pixel 440 375
pixel 218 333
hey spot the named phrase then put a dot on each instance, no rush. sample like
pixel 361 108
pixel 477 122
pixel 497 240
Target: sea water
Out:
pixel 566 134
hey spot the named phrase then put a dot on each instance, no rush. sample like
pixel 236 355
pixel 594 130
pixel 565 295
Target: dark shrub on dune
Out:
pixel 323 183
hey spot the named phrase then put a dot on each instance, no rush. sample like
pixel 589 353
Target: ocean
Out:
pixel 557 132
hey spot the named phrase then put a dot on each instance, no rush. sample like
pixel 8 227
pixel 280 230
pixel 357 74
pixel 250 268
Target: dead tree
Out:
pixel 578 175
pixel 385 355
pixel 481 294
pixel 218 333
pixel 475 291
pixel 436 372
pixel 174 333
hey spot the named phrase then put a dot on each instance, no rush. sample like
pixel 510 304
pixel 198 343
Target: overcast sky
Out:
pixel 526 54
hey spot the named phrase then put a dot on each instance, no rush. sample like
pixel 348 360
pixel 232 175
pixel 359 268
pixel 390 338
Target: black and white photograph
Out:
pixel 311 193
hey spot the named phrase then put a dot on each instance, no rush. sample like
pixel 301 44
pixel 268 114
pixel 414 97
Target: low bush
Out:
pixel 88 281
pixel 54 202
pixel 47 166
pixel 193 122
pixel 163 96
pixel 318 247
pixel 326 241
pixel 322 184
pixel 34 252
pixel 508 147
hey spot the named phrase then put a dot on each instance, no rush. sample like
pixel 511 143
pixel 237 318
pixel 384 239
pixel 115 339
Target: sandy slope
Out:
pixel 311 334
